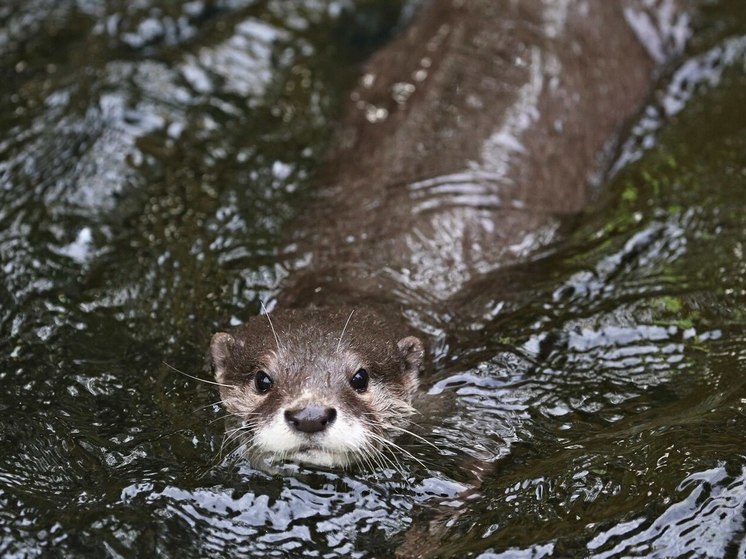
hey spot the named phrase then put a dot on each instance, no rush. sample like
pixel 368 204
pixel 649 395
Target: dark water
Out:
pixel 151 155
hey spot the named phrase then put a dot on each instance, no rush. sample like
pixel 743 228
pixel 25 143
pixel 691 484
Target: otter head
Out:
pixel 328 388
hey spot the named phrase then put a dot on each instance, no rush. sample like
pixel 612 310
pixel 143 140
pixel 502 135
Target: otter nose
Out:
pixel 310 419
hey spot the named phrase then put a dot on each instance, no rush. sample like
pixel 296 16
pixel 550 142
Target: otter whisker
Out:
pixel 222 447
pixel 377 451
pixel 363 457
pixel 219 418
pixel 256 447
pixel 229 414
pixel 390 444
pixel 242 450
pixel 233 386
pixel 415 435
pixel 195 410
pixel 372 454
pixel 378 459
pixel 233 436
pixel 398 467
pixel 272 327
pixel 339 343
pixel 225 441
pixel 393 461
pixel 384 460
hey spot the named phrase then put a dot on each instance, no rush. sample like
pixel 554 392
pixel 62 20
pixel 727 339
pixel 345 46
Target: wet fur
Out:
pixel 511 103
pixel 311 356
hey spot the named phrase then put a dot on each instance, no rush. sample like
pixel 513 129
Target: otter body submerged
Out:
pixel 468 138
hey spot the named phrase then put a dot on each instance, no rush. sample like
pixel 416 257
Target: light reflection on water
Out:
pixel 597 410
pixel 684 527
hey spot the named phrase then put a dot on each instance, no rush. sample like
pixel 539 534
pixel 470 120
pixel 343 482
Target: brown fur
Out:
pixel 311 357
pixel 389 222
pixel 468 137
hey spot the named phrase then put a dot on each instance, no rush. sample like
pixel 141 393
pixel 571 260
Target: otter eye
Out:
pixel 263 382
pixel 359 380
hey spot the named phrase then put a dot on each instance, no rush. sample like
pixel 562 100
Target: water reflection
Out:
pixel 685 527
pixel 597 408
pixel 307 508
pixel 695 75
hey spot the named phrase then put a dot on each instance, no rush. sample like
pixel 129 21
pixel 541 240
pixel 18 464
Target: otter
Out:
pixel 470 137
pixel 317 387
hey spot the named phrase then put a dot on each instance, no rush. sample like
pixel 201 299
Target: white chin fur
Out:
pixel 337 446
pixel 323 458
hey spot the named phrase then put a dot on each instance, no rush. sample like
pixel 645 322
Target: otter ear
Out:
pixel 220 349
pixel 412 354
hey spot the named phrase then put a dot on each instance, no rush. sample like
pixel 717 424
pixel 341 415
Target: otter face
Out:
pixel 328 388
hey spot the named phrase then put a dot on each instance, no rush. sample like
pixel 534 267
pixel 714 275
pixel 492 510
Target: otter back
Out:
pixel 467 137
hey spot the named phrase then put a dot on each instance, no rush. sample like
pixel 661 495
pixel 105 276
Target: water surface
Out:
pixel 152 156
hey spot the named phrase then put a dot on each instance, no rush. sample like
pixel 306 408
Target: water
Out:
pixel 151 157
